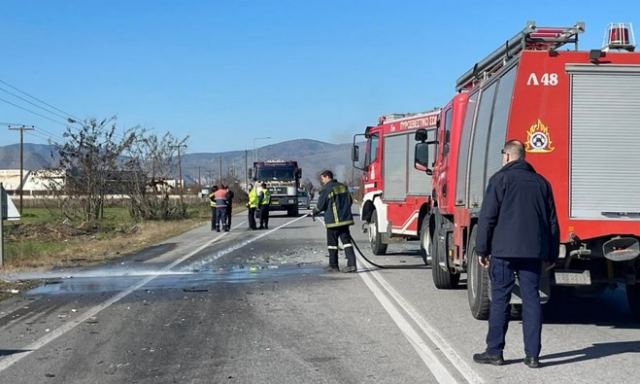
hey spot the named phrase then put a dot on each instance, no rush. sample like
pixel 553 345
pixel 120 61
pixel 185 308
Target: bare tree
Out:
pixel 90 158
pixel 151 160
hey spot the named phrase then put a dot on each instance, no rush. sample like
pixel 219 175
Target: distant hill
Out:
pixel 36 156
pixel 313 156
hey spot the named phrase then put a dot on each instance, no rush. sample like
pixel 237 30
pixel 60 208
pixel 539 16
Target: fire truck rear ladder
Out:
pixel 531 37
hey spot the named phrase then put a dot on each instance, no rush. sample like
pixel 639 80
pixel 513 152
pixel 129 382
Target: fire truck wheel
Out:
pixel 478 284
pixel 425 241
pixel 442 278
pixel 633 298
pixel 375 238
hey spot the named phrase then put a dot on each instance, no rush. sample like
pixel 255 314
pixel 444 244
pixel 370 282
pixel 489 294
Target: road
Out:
pixel 256 307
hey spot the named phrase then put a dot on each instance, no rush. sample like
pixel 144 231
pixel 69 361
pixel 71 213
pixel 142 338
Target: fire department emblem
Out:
pixel 538 139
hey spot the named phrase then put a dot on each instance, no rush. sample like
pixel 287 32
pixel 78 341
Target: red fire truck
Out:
pixel 578 112
pixel 394 190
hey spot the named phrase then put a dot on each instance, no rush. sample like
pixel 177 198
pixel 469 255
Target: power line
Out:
pixel 30 111
pixel 34 104
pixel 35 98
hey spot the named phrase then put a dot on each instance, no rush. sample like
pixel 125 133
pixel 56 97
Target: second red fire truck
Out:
pixel 396 194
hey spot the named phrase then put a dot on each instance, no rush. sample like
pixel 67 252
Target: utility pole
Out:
pixel 179 146
pixel 199 179
pixel 220 167
pixel 21 128
pixel 246 169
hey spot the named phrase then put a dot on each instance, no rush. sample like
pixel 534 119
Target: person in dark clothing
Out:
pixel 230 196
pixel 264 201
pixel 518 234
pixel 335 201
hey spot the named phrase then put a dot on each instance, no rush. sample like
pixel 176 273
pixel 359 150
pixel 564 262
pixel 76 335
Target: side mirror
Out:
pixel 355 153
pixel 421 157
pixel 421 135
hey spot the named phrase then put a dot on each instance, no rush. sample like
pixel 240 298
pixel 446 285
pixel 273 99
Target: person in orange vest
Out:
pixel 212 203
pixel 221 208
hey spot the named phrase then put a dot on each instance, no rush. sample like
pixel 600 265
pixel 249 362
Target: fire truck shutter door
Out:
pixel 604 155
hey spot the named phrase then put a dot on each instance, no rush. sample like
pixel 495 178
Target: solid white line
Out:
pixel 429 358
pixel 461 365
pixel 438 340
pixel 8 361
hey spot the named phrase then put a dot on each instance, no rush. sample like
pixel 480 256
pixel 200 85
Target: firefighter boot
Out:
pixel 351 258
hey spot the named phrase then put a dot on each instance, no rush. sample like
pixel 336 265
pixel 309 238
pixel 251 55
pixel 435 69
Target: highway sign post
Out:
pixel 9 212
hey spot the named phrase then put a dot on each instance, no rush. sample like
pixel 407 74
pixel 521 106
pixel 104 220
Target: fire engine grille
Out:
pixel 605 132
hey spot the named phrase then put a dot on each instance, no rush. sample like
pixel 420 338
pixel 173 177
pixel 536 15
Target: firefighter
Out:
pixel 335 200
pixel 212 203
pixel 230 196
pixel 221 208
pixel 264 200
pixel 252 205
pixel 518 234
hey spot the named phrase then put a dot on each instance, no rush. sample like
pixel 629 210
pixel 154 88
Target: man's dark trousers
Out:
pixel 252 218
pixel 264 216
pixel 502 274
pixel 332 244
pixel 213 218
pixel 221 218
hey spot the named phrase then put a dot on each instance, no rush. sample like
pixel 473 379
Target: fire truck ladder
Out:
pixel 531 38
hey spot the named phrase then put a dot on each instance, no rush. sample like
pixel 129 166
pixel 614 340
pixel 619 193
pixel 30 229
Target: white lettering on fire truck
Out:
pixel 427 121
pixel 546 79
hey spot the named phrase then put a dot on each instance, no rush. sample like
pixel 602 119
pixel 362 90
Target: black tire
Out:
pixel 375 238
pixel 293 211
pixel 425 241
pixel 478 284
pixel 633 299
pixel 442 279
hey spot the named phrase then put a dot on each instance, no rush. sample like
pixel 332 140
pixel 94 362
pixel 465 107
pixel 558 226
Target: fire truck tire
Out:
pixel 425 241
pixel 478 284
pixel 375 237
pixel 442 279
pixel 633 298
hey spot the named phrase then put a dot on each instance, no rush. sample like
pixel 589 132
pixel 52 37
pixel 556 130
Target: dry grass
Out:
pixel 63 250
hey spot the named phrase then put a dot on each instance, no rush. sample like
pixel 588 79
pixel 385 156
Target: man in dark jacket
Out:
pixel 230 196
pixel 335 201
pixel 518 228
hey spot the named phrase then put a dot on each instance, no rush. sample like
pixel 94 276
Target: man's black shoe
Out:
pixel 331 269
pixel 350 269
pixel 486 358
pixel 532 362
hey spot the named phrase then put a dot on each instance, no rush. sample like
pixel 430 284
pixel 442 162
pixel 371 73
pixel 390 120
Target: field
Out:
pixel 43 238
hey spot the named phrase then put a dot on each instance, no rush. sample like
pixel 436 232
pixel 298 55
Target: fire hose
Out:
pixel 355 245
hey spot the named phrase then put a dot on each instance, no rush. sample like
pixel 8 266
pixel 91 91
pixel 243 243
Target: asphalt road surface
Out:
pixel 257 307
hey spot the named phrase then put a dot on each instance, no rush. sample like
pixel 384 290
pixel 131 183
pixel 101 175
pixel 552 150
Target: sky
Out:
pixel 227 74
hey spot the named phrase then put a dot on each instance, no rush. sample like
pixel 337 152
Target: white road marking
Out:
pixel 8 361
pixel 426 354
pixel 461 365
pixel 429 358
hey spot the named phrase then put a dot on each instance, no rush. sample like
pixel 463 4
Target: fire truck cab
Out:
pixel 578 113
pixel 396 194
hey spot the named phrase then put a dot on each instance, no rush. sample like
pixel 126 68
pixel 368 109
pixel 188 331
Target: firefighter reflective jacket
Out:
pixel 335 200
pixel 253 198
